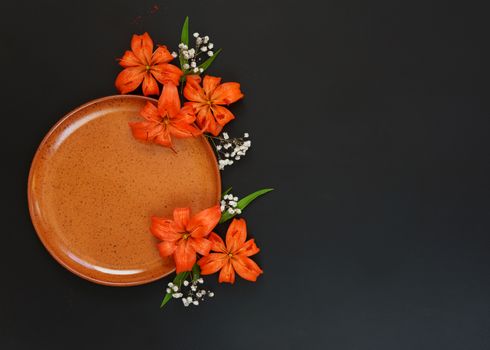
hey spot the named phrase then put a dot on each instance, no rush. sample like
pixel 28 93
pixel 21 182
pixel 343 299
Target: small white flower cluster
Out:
pixel 230 150
pixel 229 204
pixel 193 295
pixel 191 55
pixel 203 44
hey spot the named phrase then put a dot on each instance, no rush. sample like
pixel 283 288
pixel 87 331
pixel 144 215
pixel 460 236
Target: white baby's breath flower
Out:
pixel 230 149
pixel 190 294
pixel 230 204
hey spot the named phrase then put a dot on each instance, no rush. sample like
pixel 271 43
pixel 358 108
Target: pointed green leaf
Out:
pixel 244 202
pixel 196 272
pixel 184 36
pixel 205 65
pixel 165 300
pixel 178 280
pixel 226 192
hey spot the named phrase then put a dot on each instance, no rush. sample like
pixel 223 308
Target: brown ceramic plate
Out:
pixel 93 189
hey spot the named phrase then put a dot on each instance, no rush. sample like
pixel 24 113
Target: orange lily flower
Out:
pixel 208 101
pixel 184 236
pixel 234 256
pixel 143 65
pixel 166 121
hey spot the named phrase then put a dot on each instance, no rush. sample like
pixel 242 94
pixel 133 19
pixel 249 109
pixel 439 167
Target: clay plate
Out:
pixel 93 188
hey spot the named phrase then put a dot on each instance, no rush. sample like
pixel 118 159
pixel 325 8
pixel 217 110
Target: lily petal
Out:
pixel 161 55
pixel 209 84
pixel 246 268
pixel 207 122
pixel 212 263
pixel 222 115
pixel 186 115
pixel 248 249
pixel 236 235
pixel 145 131
pixel 200 245
pixel 227 273
pixel 197 106
pixel 227 93
pixel 181 218
pixel 163 139
pixel 166 248
pixel 183 126
pixel 166 73
pixel 169 102
pixel 193 91
pixel 217 243
pixel 150 86
pixel 203 222
pixel 184 130
pixel 142 46
pixel 154 130
pixel 130 60
pixel 184 256
pixel 163 229
pixel 202 111
pixel 129 79
pixel 150 112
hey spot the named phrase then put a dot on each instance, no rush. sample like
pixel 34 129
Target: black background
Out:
pixel 371 121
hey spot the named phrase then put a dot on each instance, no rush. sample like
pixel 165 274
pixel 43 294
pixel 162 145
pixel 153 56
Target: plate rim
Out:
pixel 31 205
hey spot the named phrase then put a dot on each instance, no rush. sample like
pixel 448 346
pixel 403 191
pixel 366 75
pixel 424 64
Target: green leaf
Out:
pixel 205 65
pixel 244 202
pixel 184 36
pixel 226 192
pixel 178 280
pixel 196 272
pixel 165 300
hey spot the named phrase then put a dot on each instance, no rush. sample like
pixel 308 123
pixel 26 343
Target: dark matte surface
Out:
pixel 369 118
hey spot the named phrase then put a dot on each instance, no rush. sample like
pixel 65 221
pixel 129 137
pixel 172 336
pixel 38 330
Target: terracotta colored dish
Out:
pixel 93 189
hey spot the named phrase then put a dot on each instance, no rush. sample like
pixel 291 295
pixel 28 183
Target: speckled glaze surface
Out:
pixel 93 188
